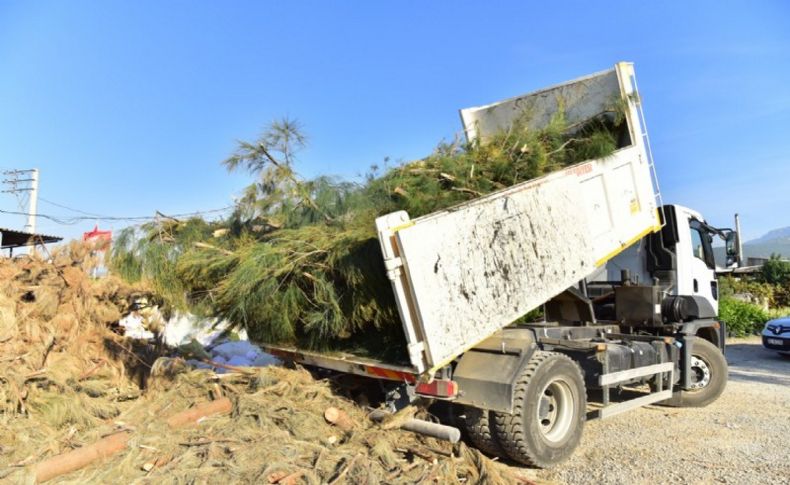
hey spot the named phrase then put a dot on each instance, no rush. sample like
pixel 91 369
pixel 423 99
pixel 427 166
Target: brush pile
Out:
pixel 69 385
pixel 60 364
pixel 274 431
pixel 56 349
pixel 299 262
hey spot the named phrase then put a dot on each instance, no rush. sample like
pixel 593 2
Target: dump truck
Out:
pixel 626 283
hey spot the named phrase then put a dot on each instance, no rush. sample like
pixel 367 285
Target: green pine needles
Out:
pixel 298 261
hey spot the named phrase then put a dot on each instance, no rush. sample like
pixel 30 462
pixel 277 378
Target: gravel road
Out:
pixel 742 438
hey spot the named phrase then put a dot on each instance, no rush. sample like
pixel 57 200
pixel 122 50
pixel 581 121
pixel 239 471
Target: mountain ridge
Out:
pixel 782 233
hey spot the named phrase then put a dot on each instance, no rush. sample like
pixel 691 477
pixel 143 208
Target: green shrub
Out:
pixel 781 295
pixel 729 286
pixel 742 318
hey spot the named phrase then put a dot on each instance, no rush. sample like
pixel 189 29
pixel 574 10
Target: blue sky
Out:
pixel 127 108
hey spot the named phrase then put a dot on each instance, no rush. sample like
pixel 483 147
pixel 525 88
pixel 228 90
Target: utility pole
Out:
pixel 738 240
pixel 21 183
pixel 32 206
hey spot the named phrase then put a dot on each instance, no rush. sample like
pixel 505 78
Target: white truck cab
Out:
pixel 679 259
pixel 696 266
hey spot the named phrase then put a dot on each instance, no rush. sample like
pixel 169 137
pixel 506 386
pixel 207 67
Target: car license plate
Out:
pixel 775 341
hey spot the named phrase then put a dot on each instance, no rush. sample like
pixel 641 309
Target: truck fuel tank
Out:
pixel 624 355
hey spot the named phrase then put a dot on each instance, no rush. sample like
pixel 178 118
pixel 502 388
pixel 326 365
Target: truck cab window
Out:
pixel 696 244
pixel 701 244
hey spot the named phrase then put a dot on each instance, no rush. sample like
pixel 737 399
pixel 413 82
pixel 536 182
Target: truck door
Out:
pixel 696 266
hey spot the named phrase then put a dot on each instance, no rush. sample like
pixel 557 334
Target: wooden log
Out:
pixel 339 418
pixel 81 457
pixel 193 415
pixel 157 463
pixel 284 478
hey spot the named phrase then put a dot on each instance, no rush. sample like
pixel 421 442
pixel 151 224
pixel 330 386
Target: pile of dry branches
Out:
pixel 79 403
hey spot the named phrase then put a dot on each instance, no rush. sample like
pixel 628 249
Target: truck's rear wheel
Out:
pixel 708 377
pixel 548 412
pixel 479 425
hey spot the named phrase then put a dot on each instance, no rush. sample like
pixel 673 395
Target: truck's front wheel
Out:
pixel 708 377
pixel 548 412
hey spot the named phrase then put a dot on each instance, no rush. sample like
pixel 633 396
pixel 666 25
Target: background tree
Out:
pixel 776 271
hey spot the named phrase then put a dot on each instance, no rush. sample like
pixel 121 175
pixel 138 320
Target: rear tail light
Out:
pixel 438 388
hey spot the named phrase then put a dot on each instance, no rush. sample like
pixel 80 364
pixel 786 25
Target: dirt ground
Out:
pixel 742 438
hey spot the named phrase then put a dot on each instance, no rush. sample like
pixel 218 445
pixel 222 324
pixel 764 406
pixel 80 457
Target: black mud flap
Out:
pixel 486 375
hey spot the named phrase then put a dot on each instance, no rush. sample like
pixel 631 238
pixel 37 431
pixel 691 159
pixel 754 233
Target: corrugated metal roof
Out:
pixel 10 238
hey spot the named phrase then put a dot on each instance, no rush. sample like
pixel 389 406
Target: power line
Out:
pixel 69 222
pixel 76 219
pixel 18 185
pixel 68 208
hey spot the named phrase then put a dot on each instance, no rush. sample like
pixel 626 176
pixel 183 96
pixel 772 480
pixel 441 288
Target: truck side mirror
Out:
pixel 730 243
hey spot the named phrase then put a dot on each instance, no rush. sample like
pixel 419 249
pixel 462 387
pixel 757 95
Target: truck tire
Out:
pixel 479 429
pixel 709 377
pixel 549 406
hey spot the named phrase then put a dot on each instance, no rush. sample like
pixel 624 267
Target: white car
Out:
pixel 776 335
